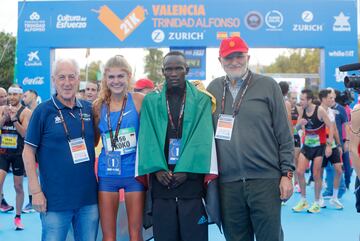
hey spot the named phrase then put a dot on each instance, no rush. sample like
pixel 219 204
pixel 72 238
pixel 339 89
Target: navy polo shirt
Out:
pixel 66 185
pixel 340 119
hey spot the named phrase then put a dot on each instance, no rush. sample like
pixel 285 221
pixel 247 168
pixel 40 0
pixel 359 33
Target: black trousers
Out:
pixel 251 208
pixel 179 220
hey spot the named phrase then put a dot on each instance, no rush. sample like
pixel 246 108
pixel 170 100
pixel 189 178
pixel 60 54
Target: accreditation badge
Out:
pixel 9 141
pixel 125 142
pixel 224 127
pixel 113 163
pixel 174 151
pixel 78 150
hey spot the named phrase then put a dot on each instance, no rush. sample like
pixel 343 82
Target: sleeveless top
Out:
pixel 11 141
pixel 130 120
pixel 315 131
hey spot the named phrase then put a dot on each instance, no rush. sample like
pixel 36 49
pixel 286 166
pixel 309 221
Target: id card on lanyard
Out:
pixel 78 150
pixel 174 151
pixel 113 163
pixel 175 143
pixel 112 148
pixel 225 124
pixel 77 146
pixel 224 127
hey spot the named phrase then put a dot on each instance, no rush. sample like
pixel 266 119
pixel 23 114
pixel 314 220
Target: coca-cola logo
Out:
pixel 33 81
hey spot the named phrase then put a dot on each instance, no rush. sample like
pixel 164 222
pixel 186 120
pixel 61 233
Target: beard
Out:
pixel 238 74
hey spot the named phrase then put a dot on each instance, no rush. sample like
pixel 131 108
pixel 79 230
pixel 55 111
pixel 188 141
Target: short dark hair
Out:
pixel 324 93
pixel 34 92
pixel 93 82
pixel 174 53
pixel 309 94
pixel 284 86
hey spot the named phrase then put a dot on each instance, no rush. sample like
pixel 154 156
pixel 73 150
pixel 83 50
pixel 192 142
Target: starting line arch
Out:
pixel 43 26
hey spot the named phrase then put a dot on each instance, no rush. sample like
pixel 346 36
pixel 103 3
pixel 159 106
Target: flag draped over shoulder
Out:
pixel 197 151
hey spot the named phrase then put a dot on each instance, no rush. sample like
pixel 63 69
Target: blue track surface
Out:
pixel 329 225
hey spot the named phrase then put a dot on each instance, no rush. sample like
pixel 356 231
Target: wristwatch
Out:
pixel 288 174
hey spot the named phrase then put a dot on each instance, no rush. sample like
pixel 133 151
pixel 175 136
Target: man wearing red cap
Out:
pixel 255 147
pixel 144 86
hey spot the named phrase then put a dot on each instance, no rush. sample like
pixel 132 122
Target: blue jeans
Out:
pixel 85 222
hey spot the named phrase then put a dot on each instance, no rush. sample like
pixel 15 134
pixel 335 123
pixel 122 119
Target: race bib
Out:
pixel 224 127
pixel 174 151
pixel 113 163
pixel 9 141
pixel 296 132
pixel 312 140
pixel 78 150
pixel 125 142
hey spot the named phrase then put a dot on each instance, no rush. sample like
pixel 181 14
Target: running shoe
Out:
pixel 315 208
pixel 5 207
pixel 302 204
pixel 28 208
pixel 18 224
pixel 322 203
pixel 297 188
pixel 336 203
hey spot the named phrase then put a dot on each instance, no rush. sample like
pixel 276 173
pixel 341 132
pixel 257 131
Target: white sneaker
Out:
pixel 322 203
pixel 336 203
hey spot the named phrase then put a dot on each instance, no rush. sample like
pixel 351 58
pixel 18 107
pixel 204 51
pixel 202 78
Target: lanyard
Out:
pixel 181 114
pixel 66 129
pixel 242 91
pixel 112 139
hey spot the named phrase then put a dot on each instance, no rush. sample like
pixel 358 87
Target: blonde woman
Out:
pixel 116 113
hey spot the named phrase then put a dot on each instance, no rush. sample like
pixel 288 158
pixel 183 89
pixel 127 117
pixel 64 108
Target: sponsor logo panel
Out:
pixel 33 59
pixel 341 23
pixel 38 80
pixel 253 20
pixel 71 21
pixel 274 20
pixel 307 25
pixel 34 23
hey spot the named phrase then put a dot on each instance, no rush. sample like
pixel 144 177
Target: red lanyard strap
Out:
pixel 181 114
pixel 112 139
pixel 243 89
pixel 66 129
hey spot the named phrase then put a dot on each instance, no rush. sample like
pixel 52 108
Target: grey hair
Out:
pixel 73 62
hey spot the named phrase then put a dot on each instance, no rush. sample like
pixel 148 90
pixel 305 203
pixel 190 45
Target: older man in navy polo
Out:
pixel 61 134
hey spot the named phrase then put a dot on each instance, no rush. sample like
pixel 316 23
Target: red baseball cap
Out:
pixel 144 83
pixel 232 45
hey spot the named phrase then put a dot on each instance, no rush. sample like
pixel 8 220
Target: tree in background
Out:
pixel 298 61
pixel 94 69
pixel 153 64
pixel 7 59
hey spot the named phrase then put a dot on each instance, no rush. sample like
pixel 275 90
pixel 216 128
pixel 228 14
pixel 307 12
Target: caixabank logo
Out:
pixel 121 28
